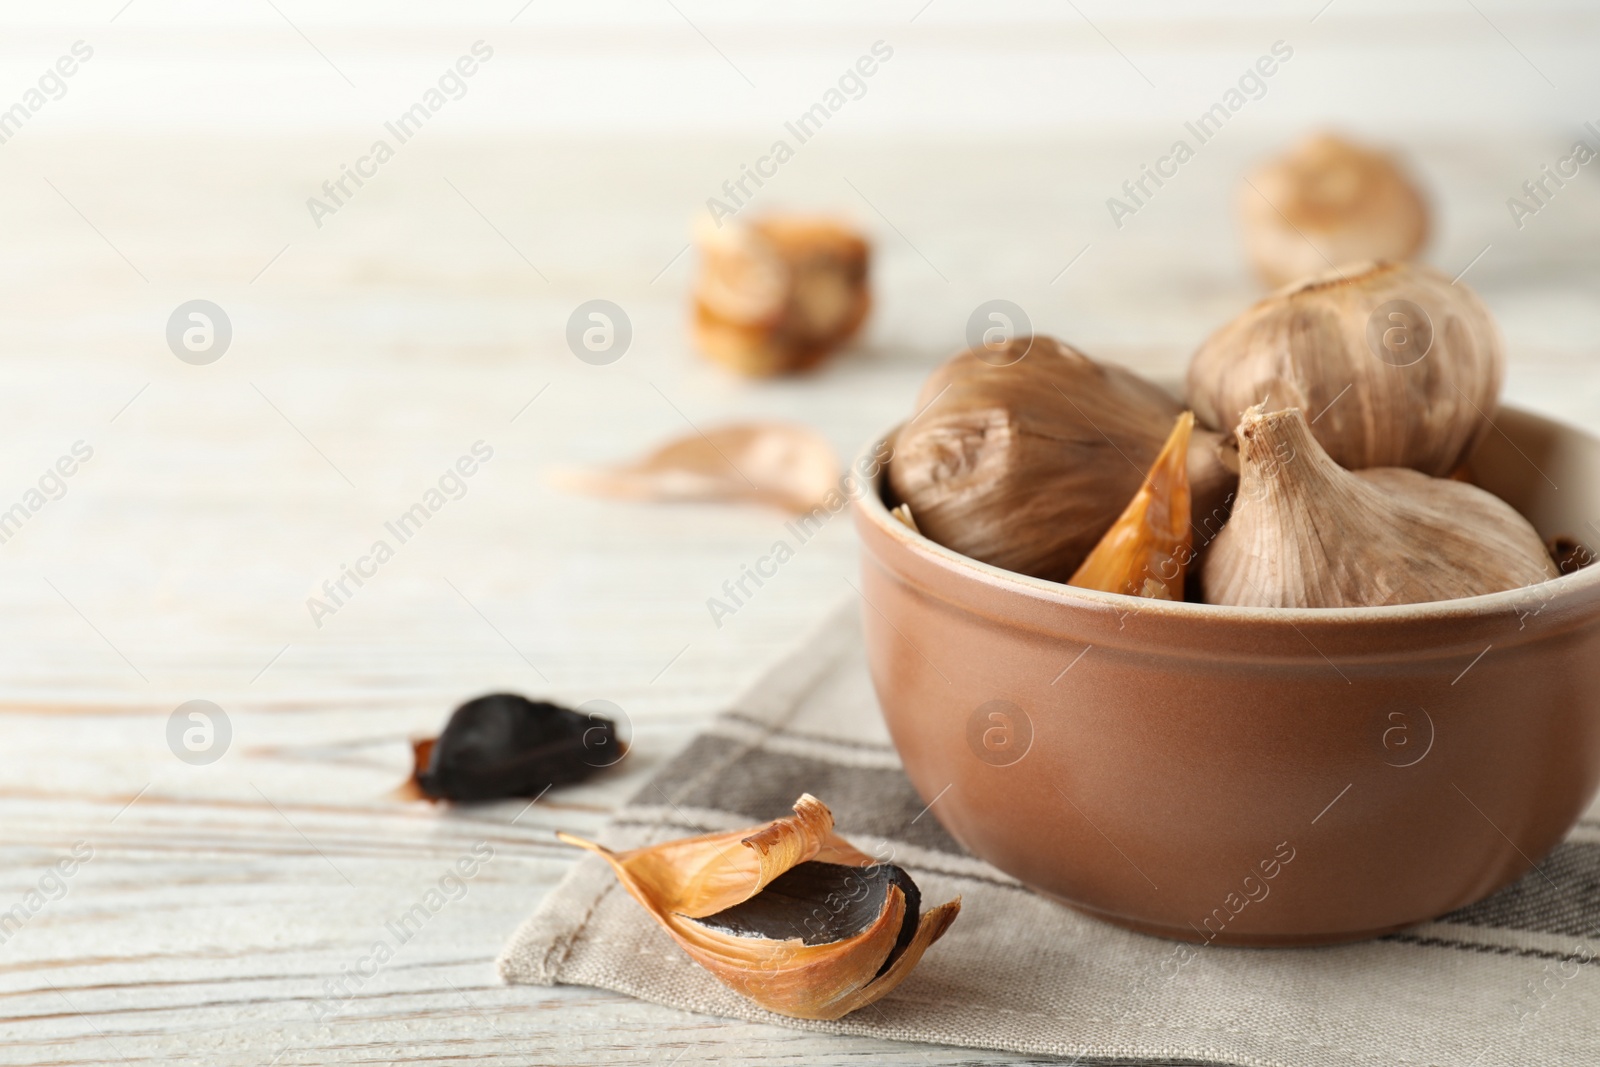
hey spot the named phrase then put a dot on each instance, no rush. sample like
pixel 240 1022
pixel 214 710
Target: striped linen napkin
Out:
pixel 1510 980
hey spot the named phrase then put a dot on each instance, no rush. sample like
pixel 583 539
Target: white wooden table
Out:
pixel 366 357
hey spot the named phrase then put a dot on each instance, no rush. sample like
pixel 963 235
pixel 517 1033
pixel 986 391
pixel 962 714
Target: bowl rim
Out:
pixel 870 505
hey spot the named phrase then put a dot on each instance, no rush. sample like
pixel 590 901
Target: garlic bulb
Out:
pixel 1305 533
pixel 777 295
pixel 1025 461
pixel 1329 201
pixel 1394 365
pixel 1147 550
pixel 789 913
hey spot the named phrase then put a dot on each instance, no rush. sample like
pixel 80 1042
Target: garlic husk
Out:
pixel 1147 550
pixel 679 882
pixel 1307 346
pixel 1306 533
pixel 780 464
pixel 778 294
pixel 1025 465
pixel 1325 201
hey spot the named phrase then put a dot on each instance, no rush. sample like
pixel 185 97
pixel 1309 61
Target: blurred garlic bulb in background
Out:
pixel 1328 202
pixel 1394 365
pixel 778 294
pixel 1305 533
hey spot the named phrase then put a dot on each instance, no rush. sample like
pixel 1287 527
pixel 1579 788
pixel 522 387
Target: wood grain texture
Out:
pixel 367 356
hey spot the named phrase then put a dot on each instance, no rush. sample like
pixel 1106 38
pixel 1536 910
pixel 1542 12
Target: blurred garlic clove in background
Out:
pixel 779 294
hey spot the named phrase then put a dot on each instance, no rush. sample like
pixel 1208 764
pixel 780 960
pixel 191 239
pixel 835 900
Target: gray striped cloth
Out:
pixel 1507 981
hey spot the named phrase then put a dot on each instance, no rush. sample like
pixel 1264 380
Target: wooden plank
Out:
pixel 368 356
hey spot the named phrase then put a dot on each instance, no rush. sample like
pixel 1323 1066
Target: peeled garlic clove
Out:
pixel 781 464
pixel 1147 550
pixel 788 914
pixel 1307 533
pixel 1395 366
pixel 778 294
pixel 1025 461
pixel 903 513
pixel 505 745
pixel 1329 201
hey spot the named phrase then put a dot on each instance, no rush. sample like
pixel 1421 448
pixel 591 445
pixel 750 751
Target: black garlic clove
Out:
pixel 504 745
pixel 821 903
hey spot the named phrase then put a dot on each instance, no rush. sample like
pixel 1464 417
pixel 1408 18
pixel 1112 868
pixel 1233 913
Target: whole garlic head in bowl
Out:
pixel 1163 760
pixel 1394 365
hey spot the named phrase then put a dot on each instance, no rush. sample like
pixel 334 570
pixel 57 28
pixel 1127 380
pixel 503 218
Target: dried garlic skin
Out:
pixel 689 887
pixel 1148 549
pixel 1327 345
pixel 1307 533
pixel 780 464
pixel 1328 200
pixel 1025 465
pixel 777 295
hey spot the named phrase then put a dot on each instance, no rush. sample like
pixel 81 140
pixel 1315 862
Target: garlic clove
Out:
pixel 505 745
pixel 779 294
pixel 1147 550
pixel 1306 533
pixel 753 908
pixel 1329 201
pixel 788 975
pixel 1336 347
pixel 743 278
pixel 930 928
pixel 780 464
pixel 903 513
pixel 1024 457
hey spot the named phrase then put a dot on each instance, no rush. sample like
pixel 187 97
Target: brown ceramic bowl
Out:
pixel 1250 776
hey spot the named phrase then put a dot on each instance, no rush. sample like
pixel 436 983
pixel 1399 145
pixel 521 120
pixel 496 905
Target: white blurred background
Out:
pixel 372 349
pixel 1469 68
pixel 179 162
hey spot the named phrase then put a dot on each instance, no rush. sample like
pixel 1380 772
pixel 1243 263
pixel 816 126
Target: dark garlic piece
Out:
pixel 505 745
pixel 821 903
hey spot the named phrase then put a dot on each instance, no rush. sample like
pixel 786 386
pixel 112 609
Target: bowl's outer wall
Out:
pixel 1245 780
